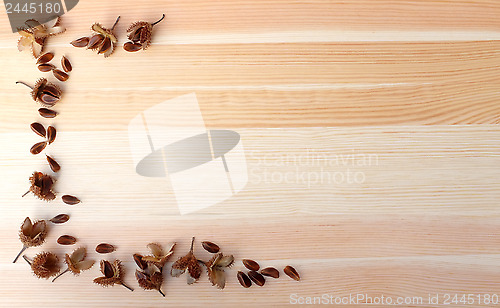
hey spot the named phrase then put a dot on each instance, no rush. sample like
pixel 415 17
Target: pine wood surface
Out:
pixel 404 93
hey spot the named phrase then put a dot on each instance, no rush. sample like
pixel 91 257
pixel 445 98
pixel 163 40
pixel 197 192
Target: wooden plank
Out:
pixel 275 85
pixel 316 170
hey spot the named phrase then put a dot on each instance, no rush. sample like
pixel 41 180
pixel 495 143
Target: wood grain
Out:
pixel 402 94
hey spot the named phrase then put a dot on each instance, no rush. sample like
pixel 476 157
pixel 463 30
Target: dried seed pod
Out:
pixel 251 264
pixel 37 148
pixel 60 219
pixel 47 113
pixel 257 278
pixel 215 268
pixel 71 200
pixel 244 280
pixel 132 47
pixel 53 164
pixel 51 134
pixel 31 235
pixel 102 39
pixel 46 67
pixel 210 247
pixel 44 265
pixel 66 65
pixel 188 262
pixel 38 129
pixel 66 240
pixel 45 58
pixel 45 93
pixel 113 274
pixel 140 34
pixel 105 248
pixel 292 273
pixel 270 272
pixel 159 257
pixel 41 186
pixel 150 281
pixel 76 262
pixel 81 42
pixel 60 75
pixel 34 36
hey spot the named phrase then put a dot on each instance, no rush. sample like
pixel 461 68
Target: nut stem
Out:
pixel 158 20
pixel 19 254
pixel 123 284
pixel 20 82
pixel 27 259
pixel 62 273
pixel 114 25
pixel 161 292
pixel 192 243
pixel 25 194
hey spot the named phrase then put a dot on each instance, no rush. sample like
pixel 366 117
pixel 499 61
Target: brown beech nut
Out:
pixel 71 200
pixel 81 42
pixel 251 264
pixel 105 248
pixel 257 278
pixel 270 272
pixel 47 113
pixel 66 65
pixel 60 75
pixel 38 129
pixel 210 247
pixel 47 57
pixel 292 272
pixel 244 280
pixel 66 240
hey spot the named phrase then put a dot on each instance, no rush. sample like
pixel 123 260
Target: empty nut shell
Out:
pixel 81 42
pixel 45 58
pixel 244 280
pixel 38 129
pixel 47 113
pixel 66 65
pixel 105 248
pixel 71 200
pixel 270 272
pixel 257 278
pixel 251 264
pixel 66 240
pixel 292 273
pixel 210 247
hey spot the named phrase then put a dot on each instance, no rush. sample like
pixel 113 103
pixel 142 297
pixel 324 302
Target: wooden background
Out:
pixel 413 83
